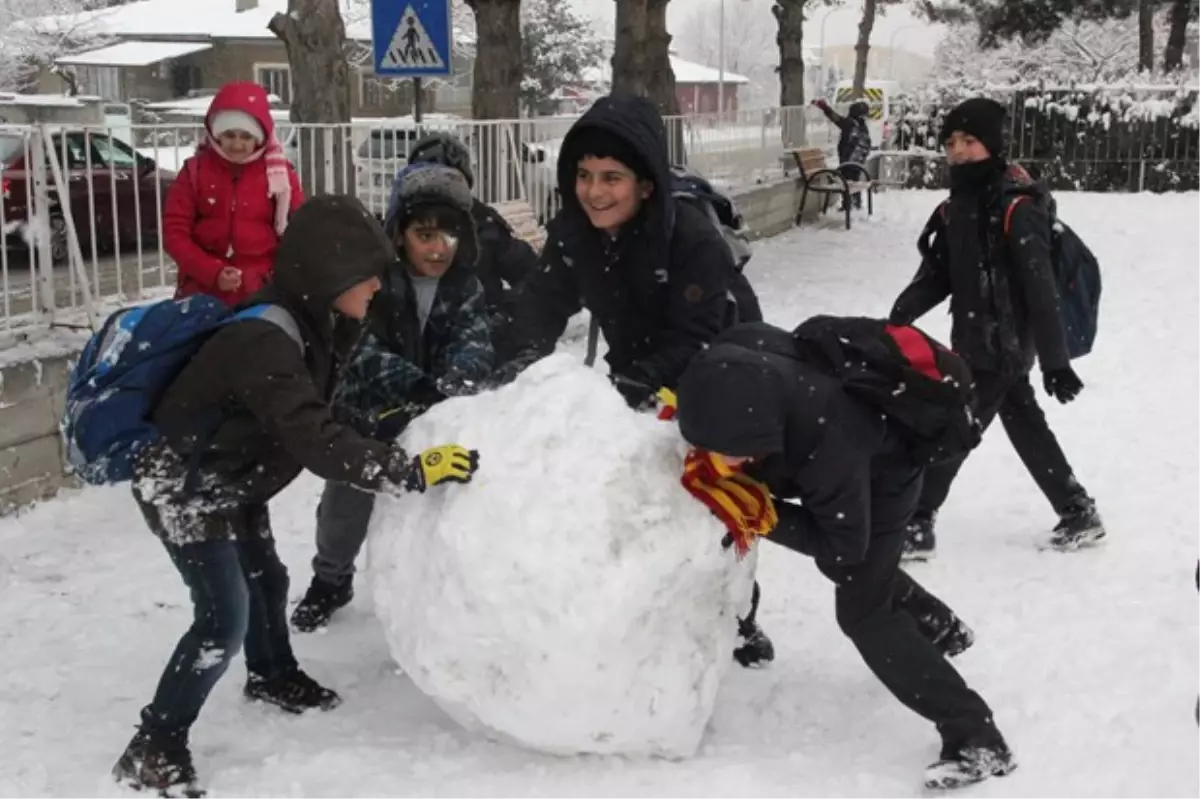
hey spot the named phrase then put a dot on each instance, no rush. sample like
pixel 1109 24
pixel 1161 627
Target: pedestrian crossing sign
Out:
pixel 411 38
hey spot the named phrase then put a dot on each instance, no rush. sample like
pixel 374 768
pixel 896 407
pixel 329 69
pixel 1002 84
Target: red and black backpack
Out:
pixel 922 386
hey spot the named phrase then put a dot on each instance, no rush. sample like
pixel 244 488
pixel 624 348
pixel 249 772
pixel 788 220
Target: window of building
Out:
pixel 276 79
pixel 371 91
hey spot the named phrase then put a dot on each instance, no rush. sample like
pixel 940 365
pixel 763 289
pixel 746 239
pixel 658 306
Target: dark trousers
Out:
pixel 1012 397
pixel 877 608
pixel 239 590
pixel 343 516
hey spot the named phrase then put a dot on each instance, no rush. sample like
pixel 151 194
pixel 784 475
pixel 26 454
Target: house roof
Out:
pixel 685 72
pixel 133 54
pixel 201 20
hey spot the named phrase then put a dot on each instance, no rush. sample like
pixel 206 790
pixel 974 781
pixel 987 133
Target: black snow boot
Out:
pixel 757 648
pixel 319 603
pixel 293 690
pixel 1079 526
pixel 919 541
pixel 969 763
pixel 158 763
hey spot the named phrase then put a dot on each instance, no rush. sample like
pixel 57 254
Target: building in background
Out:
pixel 883 63
pixel 159 50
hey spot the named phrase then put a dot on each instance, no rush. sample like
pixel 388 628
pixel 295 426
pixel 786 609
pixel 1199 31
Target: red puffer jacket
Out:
pixel 220 214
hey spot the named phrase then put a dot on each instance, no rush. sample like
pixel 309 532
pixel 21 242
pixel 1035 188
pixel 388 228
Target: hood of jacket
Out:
pixel 247 97
pixel 732 399
pixel 637 122
pixel 332 244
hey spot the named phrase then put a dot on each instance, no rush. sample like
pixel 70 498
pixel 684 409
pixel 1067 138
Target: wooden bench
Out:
pixel 521 217
pixel 816 176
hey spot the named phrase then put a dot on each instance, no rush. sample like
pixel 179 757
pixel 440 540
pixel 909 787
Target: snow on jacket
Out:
pixel 660 291
pixel 221 214
pixel 271 398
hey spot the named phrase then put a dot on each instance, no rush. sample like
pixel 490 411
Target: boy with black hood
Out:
pixel 426 339
pixel 654 271
pixel 988 248
pixel 753 404
pixel 244 417
pixel 504 260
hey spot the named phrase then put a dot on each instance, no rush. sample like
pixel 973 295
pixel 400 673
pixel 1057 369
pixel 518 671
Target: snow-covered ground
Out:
pixel 1088 659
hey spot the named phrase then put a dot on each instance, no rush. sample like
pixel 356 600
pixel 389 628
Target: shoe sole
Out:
pixel 917 557
pixel 1087 541
pixel 950 782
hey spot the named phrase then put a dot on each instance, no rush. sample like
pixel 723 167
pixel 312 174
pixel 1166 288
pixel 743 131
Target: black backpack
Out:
pixel 694 188
pixel 1077 277
pixel 923 387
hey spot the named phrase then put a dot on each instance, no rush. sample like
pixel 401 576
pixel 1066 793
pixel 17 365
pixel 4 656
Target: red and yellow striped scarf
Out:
pixel 743 504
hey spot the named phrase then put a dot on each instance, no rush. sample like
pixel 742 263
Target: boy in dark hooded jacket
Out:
pixel 654 271
pixel 751 402
pixel 244 417
pixel 504 261
pixel 988 249
pixel 426 339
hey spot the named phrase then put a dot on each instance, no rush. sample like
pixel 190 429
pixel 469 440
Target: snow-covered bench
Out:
pixel 817 176
pixel 521 217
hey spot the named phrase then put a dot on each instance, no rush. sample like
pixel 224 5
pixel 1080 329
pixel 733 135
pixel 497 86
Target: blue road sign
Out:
pixel 411 38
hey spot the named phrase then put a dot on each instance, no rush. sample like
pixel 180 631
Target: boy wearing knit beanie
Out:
pixel 988 248
pixel 426 338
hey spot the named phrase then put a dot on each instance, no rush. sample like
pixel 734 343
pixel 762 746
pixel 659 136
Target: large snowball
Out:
pixel 573 598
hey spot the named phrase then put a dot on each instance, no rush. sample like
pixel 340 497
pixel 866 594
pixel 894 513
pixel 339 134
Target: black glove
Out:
pixel 1062 384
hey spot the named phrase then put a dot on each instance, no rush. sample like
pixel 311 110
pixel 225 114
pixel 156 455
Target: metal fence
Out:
pixel 65 259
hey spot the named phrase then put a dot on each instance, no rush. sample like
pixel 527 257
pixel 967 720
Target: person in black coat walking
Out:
pixel 990 253
pixel 750 401
pixel 654 271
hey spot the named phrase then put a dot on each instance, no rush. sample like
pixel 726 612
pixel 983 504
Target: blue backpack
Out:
pixel 1077 276
pixel 124 371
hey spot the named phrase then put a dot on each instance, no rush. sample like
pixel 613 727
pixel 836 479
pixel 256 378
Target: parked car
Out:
pixel 114 192
pixel 384 151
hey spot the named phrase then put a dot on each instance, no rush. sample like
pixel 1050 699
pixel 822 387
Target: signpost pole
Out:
pixel 416 82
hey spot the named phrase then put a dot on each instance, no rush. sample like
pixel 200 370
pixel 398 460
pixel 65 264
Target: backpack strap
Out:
pixel 276 315
pixel 1012 205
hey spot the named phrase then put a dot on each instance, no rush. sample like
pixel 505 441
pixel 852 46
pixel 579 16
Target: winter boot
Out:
pixel 319 603
pixel 293 690
pixel 919 541
pixel 955 639
pixel 161 764
pixel 970 763
pixel 1079 526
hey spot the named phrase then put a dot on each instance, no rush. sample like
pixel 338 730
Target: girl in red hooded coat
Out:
pixel 231 201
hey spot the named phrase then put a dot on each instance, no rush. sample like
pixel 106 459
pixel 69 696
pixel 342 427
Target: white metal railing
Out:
pixel 104 243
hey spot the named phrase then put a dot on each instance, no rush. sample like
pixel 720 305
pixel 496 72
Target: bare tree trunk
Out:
pixel 1146 35
pixel 315 38
pixel 1177 35
pixel 496 89
pixel 863 48
pixel 631 51
pixel 642 64
pixel 789 14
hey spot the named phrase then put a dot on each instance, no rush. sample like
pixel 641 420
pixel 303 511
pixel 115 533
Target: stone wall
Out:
pixel 32 392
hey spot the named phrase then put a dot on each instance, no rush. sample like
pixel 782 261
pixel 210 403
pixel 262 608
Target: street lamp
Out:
pixel 825 19
pixel 721 58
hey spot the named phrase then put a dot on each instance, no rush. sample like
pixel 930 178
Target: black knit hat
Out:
pixel 600 143
pixel 979 117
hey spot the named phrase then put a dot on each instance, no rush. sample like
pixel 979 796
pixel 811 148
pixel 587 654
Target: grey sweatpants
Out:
pixel 342 519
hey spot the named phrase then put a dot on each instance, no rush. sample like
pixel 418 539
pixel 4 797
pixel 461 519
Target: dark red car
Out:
pixel 125 186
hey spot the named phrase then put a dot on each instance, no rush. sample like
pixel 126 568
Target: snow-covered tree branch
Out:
pixel 33 33
pixel 559 48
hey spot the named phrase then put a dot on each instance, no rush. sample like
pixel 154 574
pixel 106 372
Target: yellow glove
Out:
pixel 446 464
pixel 668 403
